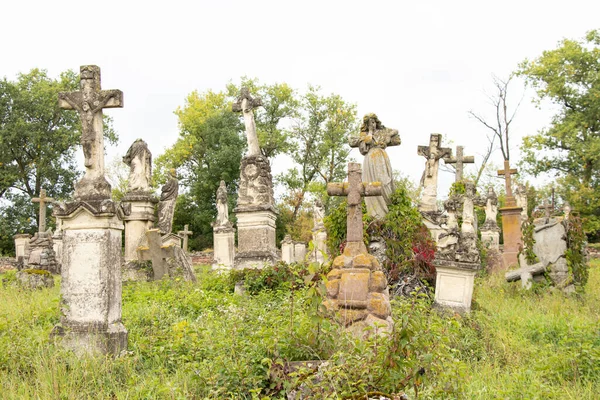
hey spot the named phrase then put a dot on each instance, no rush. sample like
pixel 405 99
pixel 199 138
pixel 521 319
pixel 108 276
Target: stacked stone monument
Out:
pixel 357 292
pixel 92 234
pixel 457 258
pixel 511 221
pixel 432 217
pixel 490 232
pixel 223 232
pixel 255 210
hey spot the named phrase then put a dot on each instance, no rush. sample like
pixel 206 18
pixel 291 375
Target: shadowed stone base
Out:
pixel 138 210
pixel 35 279
pixel 224 247
pixel 256 238
pixel 256 259
pixel 454 284
pixel 89 339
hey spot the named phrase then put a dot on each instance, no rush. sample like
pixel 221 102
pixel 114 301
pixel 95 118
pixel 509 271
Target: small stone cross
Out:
pixel 507 172
pixel 185 233
pixel 42 200
pixel 355 189
pixel 459 160
pixel 245 104
pixel 433 152
pixel 548 209
pixel 89 102
pixel 156 252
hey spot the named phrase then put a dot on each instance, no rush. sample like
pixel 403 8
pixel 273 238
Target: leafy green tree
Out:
pixel 320 148
pixel 38 141
pixel 569 77
pixel 209 149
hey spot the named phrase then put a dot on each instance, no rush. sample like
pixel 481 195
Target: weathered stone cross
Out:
pixel 245 104
pixel 355 189
pixel 156 252
pixel 42 200
pixel 89 102
pixel 459 160
pixel 185 233
pixel 548 208
pixel 507 172
pixel 433 153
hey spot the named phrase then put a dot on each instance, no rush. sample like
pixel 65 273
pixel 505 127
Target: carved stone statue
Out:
pixel 521 199
pixel 166 205
pixel 372 142
pixel 139 160
pixel 491 210
pixel 222 206
pixel 432 153
pixel 318 215
pixel 468 215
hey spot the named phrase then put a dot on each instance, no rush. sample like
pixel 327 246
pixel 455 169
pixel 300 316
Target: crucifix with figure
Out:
pixel 355 189
pixel 89 102
pixel 43 200
pixel 432 154
pixel 459 160
pixel 245 104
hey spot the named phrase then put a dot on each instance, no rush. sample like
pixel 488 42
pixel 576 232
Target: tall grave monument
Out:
pixel 460 160
pixel 255 210
pixel 357 291
pixel 92 232
pixel 511 221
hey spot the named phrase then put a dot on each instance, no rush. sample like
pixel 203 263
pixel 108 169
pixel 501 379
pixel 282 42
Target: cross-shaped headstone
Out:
pixel 548 208
pixel 526 273
pixel 434 152
pixel 89 102
pixel 459 160
pixel 245 104
pixel 185 233
pixel 156 252
pixel 507 172
pixel 355 189
pixel 43 200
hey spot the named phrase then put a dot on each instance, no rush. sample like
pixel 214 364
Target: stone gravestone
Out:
pixel 320 253
pixel 459 160
pixel 165 257
pixel 92 234
pixel 255 210
pixel 511 221
pixel 138 203
pixel 21 242
pixel 287 249
pixel 432 218
pixel 357 291
pixel 184 234
pixel 299 252
pixel 457 262
pixel 223 232
pixel 372 142
pixel 490 232
pixel 40 251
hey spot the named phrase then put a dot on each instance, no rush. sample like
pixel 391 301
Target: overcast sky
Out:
pixel 421 66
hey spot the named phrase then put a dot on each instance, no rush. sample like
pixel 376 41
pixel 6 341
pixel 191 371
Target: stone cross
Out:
pixel 42 200
pixel 433 152
pixel 89 102
pixel 355 189
pixel 245 104
pixel 548 208
pixel 507 172
pixel 156 252
pixel 459 160
pixel 185 233
pixel 526 273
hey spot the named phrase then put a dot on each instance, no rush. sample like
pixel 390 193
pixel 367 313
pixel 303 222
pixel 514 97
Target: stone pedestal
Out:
pixel 320 246
pixel 511 233
pixel 21 242
pixel 256 238
pixel 224 247
pixel 58 248
pixel 138 210
pixel 454 285
pixel 491 238
pixel 299 252
pixel 287 249
pixel 91 278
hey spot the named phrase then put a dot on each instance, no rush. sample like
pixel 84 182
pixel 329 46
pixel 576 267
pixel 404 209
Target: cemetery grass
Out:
pixel 202 341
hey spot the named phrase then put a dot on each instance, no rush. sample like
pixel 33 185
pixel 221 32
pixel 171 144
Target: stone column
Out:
pixel 299 251
pixel 138 210
pixel 21 242
pixel 224 247
pixel 287 249
pixel 91 278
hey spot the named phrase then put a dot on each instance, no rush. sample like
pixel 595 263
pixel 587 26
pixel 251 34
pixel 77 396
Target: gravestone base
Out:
pixel 35 279
pixel 91 278
pixel 21 243
pixel 138 215
pixel 256 238
pixel 320 246
pixel 491 238
pixel 454 284
pixel 224 247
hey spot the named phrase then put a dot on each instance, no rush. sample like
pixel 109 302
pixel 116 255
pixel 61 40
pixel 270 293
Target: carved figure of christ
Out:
pixel 355 189
pixel 89 102
pixel 245 104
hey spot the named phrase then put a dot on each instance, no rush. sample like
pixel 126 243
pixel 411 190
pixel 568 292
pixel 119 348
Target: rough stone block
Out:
pixel 354 287
pixel 333 287
pixel 379 305
pixel 378 282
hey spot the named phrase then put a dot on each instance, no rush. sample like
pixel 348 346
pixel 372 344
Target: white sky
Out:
pixel 419 65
